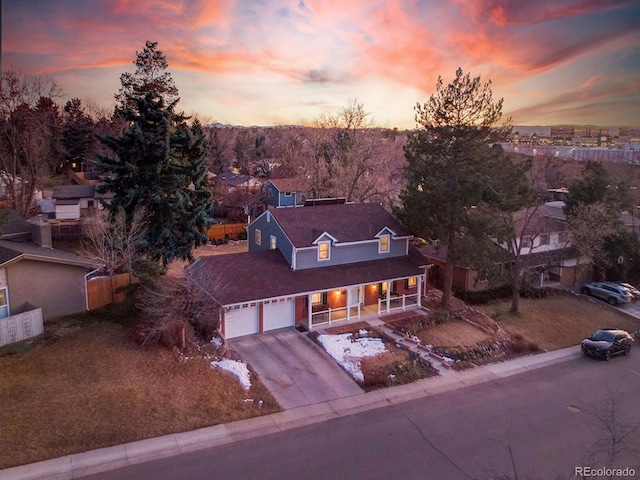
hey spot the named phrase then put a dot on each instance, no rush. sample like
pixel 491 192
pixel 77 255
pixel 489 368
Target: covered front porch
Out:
pixel 355 303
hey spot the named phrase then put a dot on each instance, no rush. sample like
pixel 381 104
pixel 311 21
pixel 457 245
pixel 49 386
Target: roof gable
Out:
pixel 351 222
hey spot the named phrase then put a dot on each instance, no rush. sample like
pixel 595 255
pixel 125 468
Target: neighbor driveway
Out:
pixel 297 371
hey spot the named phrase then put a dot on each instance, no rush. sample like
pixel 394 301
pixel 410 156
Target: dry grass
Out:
pixel 92 387
pixel 558 321
pixel 453 333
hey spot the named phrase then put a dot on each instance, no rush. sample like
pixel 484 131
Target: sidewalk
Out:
pixel 104 459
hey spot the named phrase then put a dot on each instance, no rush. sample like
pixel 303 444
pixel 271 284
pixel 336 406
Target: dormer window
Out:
pixel 324 250
pixel 383 244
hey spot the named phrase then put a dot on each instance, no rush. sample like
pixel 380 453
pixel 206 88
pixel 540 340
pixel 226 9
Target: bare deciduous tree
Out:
pixel 176 304
pixel 25 135
pixel 617 437
pixel 114 244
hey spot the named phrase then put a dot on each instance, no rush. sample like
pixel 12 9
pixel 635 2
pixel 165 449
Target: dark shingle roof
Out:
pixel 290 184
pixel 67 192
pixel 247 277
pixel 12 250
pixel 349 222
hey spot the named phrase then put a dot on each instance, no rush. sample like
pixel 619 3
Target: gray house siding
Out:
pixel 60 288
pixel 349 253
pixel 267 229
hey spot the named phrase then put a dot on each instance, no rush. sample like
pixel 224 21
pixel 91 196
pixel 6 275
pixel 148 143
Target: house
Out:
pixel 33 275
pixel 231 181
pixel 286 192
pixel 311 266
pixel 545 252
pixel 75 201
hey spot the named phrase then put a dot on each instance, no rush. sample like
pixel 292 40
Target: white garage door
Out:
pixel 278 315
pixel 243 321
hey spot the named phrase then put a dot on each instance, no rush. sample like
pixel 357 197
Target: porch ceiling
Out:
pixel 247 277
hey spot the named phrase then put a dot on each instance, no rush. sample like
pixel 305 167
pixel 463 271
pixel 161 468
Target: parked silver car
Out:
pixel 610 292
pixel 635 293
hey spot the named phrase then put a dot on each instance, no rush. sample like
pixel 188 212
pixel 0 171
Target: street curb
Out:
pixel 110 458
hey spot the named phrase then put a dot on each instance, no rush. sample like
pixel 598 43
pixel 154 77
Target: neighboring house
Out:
pixel 75 201
pixel 286 192
pixel 313 265
pixel 545 252
pixel 230 182
pixel 34 275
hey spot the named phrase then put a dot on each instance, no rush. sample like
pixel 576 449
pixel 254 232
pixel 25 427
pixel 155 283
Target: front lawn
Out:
pixel 86 384
pixel 558 321
pixel 372 358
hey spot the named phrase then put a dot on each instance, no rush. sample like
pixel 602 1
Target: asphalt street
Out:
pixel 539 423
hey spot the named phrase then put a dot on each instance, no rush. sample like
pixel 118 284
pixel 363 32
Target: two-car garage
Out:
pixel 246 319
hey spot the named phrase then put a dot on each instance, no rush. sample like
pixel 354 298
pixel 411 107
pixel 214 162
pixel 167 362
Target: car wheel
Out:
pixel 627 349
pixel 607 355
pixel 612 301
pixel 585 291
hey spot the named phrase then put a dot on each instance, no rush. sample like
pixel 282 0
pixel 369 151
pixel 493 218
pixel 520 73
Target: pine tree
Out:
pixel 455 169
pixel 159 164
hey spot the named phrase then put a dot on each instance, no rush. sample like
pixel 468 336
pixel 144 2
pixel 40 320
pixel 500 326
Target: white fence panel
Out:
pixel 21 326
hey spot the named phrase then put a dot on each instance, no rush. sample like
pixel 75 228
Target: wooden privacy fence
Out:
pixel 225 231
pixel 103 291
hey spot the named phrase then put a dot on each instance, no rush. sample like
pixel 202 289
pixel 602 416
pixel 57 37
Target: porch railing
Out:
pixel 325 317
pixel 397 302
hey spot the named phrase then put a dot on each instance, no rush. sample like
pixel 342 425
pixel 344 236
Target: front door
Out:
pixel 356 296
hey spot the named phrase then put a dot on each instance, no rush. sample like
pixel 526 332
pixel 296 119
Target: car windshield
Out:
pixel 603 336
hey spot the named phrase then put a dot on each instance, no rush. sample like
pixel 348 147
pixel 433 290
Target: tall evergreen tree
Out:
pixel 78 134
pixel 455 168
pixel 159 164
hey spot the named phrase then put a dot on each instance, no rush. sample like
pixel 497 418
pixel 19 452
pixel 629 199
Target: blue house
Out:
pixel 286 192
pixel 314 266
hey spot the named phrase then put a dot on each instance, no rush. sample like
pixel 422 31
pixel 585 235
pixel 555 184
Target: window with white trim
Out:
pixel 383 244
pixel 544 239
pixel 324 250
pixel 272 242
pixel 258 237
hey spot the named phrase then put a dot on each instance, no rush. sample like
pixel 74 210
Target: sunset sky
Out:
pixel 270 62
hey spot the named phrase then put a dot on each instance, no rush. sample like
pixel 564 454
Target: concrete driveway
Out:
pixel 296 370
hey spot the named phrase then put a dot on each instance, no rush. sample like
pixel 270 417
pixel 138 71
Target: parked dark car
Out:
pixel 607 291
pixel 607 342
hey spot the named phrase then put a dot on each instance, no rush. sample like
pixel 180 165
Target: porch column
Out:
pixel 388 296
pixel 419 291
pixel 348 303
pixel 309 312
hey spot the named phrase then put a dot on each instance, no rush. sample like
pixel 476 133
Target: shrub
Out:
pixel 242 235
pixel 484 296
pixel 533 292
pixel 440 317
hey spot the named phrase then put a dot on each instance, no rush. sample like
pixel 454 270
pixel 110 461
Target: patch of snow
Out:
pixel 236 368
pixel 448 360
pixel 348 352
